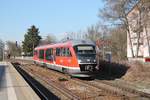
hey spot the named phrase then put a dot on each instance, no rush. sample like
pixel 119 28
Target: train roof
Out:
pixel 67 43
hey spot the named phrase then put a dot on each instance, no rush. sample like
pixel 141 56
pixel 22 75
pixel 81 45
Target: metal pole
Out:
pixel 103 46
pixel 2 45
pixel 3 51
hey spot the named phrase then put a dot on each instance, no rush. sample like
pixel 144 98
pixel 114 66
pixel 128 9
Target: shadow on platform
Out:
pixel 2 76
pixel 111 71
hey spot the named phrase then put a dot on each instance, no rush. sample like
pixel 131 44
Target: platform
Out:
pixel 13 86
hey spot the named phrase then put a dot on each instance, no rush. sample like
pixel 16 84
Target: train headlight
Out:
pixel 94 60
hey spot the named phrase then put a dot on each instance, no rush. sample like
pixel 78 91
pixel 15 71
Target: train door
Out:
pixel 57 59
pixel 54 56
pixel 50 60
pixel 49 55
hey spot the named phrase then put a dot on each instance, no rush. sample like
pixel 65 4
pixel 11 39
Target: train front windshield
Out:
pixel 85 51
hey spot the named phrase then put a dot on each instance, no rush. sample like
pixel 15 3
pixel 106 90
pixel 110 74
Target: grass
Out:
pixel 62 79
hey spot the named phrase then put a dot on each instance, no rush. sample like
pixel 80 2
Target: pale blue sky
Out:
pixel 50 16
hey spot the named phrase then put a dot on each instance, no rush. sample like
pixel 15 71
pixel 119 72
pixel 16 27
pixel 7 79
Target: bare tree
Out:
pixel 93 32
pixel 48 40
pixel 138 22
pixel 13 48
pixel 118 43
pixel 73 36
pixel 115 12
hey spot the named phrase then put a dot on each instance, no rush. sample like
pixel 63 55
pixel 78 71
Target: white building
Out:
pixel 138 37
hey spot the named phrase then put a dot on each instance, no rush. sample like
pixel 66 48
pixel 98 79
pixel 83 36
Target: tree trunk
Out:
pixel 139 30
pixel 137 48
pixel 147 40
pixel 129 34
pixel 33 48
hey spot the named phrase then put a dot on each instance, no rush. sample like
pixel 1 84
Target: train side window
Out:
pixel 68 53
pixel 58 52
pixel 63 51
pixel 49 54
pixel 41 54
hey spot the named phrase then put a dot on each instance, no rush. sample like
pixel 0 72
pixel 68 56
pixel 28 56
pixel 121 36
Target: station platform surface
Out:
pixel 13 86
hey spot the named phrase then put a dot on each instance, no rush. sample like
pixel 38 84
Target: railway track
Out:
pixel 87 84
pixel 108 87
pixel 116 89
pixel 89 95
pixel 41 91
pixel 125 87
pixel 67 94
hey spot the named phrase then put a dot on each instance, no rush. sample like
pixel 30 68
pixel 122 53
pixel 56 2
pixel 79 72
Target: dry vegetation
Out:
pixel 138 71
pixel 134 72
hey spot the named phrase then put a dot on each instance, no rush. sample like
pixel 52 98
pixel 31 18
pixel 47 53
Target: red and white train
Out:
pixel 75 57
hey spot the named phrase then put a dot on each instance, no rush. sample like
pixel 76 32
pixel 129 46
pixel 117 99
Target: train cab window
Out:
pixel 63 51
pixel 68 53
pixel 41 54
pixel 49 54
pixel 58 52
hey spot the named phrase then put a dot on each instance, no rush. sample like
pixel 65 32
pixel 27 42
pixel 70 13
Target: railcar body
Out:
pixel 75 57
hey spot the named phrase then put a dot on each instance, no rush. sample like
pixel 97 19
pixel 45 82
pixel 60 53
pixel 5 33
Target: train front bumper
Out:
pixel 79 73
